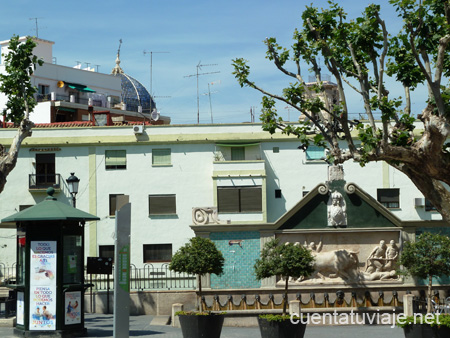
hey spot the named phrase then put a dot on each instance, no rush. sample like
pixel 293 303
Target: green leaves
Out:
pixel 428 256
pixel 20 64
pixel 287 260
pixel 198 257
pixel 241 71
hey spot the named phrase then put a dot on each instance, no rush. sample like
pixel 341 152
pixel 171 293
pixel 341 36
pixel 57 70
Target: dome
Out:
pixel 134 94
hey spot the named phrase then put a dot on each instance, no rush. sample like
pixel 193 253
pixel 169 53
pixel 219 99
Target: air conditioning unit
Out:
pixel 138 129
pixel 419 202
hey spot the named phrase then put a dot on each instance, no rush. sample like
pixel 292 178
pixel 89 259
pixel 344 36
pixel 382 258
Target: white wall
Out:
pixel 190 177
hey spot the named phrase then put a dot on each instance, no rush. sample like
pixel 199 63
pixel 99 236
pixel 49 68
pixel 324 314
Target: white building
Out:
pixel 249 177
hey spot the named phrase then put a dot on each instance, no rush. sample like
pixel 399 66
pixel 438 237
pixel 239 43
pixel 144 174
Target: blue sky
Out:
pixel 210 32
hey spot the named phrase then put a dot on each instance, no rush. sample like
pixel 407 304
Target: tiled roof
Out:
pixel 75 124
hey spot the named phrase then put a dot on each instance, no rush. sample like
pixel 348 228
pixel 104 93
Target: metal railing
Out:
pixel 43 181
pixel 7 274
pixel 148 277
pixel 67 98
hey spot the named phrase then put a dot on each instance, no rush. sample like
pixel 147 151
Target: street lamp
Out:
pixel 72 182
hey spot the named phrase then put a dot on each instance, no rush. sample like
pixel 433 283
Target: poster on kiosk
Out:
pixel 43 285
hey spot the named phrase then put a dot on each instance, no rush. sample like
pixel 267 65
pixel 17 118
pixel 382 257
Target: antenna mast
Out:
pixel 209 94
pixel 199 66
pixel 36 23
pixel 151 73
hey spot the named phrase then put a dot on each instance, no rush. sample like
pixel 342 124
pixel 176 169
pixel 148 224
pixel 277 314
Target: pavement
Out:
pixel 99 325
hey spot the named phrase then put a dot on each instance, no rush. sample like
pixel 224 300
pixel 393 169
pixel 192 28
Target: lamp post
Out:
pixel 72 182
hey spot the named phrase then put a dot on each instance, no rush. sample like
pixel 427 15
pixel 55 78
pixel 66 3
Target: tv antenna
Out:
pixel 37 27
pixel 199 67
pixel 209 94
pixel 151 72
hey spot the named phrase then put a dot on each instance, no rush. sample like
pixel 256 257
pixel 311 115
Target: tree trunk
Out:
pixel 430 284
pixel 200 304
pixel 432 189
pixel 8 161
pixel 285 299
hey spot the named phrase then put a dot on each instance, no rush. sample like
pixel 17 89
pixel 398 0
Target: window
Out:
pixel 115 159
pixel 276 149
pixel 113 204
pixel 43 89
pixel 161 157
pixel 429 206
pixel 45 169
pixel 239 199
pixel 157 253
pixel 277 193
pixel 237 153
pixel 314 153
pixel 390 198
pixel 162 205
pixel 43 93
pixel 106 251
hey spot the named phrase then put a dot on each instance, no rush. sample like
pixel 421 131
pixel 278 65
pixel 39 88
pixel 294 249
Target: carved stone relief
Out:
pixel 336 210
pixel 380 264
pixel 205 215
pixel 344 258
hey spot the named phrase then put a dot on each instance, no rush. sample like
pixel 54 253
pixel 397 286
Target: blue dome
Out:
pixel 134 94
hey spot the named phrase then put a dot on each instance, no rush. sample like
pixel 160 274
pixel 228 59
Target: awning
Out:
pixel 237 144
pixel 80 87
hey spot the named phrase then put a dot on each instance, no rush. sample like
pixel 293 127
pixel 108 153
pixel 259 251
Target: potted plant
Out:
pixel 427 257
pixel 286 260
pixel 199 257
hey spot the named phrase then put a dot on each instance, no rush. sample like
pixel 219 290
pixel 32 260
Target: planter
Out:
pixel 280 329
pixel 426 331
pixel 200 326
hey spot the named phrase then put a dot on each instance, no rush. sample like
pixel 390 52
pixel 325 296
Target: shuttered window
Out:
pixel 115 159
pixel 390 198
pixel 161 157
pixel 162 205
pixel 239 199
pixel 157 253
pixel 113 204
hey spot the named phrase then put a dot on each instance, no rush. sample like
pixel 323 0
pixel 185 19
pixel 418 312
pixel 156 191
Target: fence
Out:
pixel 147 278
pixel 7 274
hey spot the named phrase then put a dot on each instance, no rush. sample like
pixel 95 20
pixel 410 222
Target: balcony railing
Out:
pixel 44 181
pixel 74 99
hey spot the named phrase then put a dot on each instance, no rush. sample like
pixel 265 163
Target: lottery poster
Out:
pixel 43 285
pixel 72 308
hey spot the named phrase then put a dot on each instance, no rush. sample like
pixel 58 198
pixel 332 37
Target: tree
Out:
pixel 198 257
pixel 427 257
pixel 359 54
pixel 20 64
pixel 286 260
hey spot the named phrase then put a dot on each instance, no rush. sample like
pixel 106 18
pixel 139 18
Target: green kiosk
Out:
pixel 50 269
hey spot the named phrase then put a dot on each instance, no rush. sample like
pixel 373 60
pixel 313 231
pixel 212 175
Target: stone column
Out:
pixel 175 319
pixel 294 307
pixel 408 305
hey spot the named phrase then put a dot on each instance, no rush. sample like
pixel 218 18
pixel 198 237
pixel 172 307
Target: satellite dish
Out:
pixel 60 84
pixel 155 115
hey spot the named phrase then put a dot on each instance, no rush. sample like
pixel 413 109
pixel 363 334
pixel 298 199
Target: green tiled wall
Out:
pixel 239 260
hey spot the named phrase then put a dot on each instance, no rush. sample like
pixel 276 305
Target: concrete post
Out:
pixel 408 305
pixel 294 307
pixel 175 319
